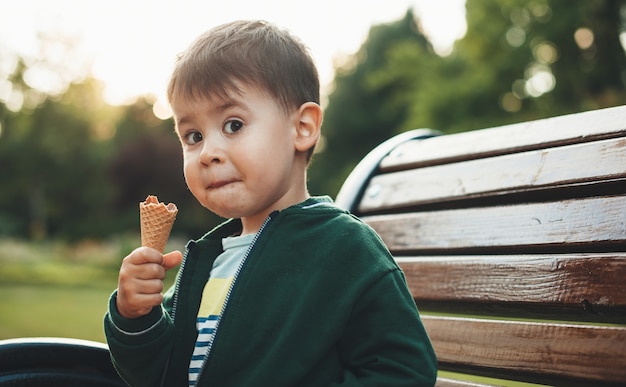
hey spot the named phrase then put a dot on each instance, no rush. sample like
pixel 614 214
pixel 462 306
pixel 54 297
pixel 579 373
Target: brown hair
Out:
pixel 254 53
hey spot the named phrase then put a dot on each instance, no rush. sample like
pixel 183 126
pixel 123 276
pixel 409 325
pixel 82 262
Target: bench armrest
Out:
pixel 55 362
pixel 351 191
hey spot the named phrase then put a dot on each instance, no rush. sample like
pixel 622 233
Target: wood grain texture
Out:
pixel 513 225
pixel 542 351
pixel 586 285
pixel 597 221
pixel 573 164
pixel 555 131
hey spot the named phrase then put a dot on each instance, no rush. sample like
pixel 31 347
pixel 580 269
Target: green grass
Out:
pixel 52 311
pixel 56 289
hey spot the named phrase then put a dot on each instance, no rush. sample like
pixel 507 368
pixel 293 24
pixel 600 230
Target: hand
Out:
pixel 140 280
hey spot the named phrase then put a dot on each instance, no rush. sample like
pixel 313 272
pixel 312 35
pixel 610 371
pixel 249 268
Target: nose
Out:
pixel 212 151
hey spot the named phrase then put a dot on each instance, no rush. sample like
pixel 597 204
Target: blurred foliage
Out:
pixel 368 101
pixel 519 60
pixel 74 168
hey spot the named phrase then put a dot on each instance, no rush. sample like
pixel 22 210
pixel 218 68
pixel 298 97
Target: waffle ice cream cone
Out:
pixel 156 222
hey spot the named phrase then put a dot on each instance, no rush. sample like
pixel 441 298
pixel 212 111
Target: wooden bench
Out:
pixel 513 243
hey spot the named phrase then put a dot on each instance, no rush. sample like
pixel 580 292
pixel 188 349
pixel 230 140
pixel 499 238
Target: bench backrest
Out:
pixel 513 243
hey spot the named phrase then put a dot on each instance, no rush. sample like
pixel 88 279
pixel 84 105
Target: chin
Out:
pixel 226 211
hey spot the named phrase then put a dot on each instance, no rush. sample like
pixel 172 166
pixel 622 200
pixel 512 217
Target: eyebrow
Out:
pixel 181 121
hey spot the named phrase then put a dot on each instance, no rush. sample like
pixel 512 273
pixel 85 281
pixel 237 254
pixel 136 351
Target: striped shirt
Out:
pixel 214 296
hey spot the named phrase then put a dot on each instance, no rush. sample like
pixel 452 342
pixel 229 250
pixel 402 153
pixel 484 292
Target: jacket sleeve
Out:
pixel 139 347
pixel 385 343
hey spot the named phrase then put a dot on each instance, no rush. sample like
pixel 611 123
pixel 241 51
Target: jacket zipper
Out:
pixel 230 291
pixel 177 285
pixel 175 303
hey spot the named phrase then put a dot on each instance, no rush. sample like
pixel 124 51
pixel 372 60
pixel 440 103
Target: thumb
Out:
pixel 172 259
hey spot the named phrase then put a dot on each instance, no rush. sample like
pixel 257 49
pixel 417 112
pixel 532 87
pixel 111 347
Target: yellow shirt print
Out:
pixel 214 296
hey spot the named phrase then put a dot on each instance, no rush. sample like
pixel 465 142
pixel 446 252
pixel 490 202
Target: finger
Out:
pixel 149 287
pixel 128 289
pixel 137 305
pixel 172 259
pixel 149 271
pixel 144 255
pixel 145 271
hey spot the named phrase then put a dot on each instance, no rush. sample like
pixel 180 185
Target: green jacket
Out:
pixel 319 302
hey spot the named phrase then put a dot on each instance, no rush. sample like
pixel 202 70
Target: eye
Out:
pixel 233 126
pixel 192 137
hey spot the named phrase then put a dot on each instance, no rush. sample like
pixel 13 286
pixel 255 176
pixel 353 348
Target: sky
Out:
pixel 130 45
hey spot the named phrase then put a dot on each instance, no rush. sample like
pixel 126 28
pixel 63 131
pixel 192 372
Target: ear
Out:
pixel 309 123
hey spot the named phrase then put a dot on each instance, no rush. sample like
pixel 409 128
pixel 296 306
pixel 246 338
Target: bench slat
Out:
pixel 535 351
pixel 512 243
pixel 599 222
pixel 590 287
pixel 573 164
pixel 555 131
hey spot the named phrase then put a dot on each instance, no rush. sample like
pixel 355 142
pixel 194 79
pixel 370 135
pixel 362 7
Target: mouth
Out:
pixel 219 184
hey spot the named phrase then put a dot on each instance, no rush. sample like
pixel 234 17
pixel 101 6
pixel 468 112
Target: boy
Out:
pixel 291 290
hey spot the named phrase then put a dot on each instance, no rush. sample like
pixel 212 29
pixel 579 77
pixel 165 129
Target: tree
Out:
pixel 523 60
pixel 368 104
pixel 147 160
pixel 52 166
pixel 520 60
pixel 73 167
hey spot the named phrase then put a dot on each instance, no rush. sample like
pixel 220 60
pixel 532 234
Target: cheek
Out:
pixel 189 172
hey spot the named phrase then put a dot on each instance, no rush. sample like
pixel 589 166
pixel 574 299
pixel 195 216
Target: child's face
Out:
pixel 239 155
